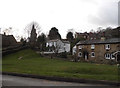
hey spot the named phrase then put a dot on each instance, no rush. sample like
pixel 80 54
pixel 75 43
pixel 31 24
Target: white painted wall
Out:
pixel 60 46
pixel 74 50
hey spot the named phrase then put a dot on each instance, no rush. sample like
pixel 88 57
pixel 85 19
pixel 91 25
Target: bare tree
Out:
pixel 28 28
pixel 8 31
pixel 71 30
pixel 92 31
pixel 18 38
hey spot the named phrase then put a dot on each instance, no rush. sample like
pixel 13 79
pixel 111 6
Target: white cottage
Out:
pixel 58 46
pixel 74 50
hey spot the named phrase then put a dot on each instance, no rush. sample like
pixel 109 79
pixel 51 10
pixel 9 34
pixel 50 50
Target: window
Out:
pixel 107 56
pixel 112 57
pixel 85 36
pixel 92 54
pixel 79 54
pixel 92 46
pixel 47 44
pixel 80 47
pixel 64 45
pixel 52 43
pixel 107 46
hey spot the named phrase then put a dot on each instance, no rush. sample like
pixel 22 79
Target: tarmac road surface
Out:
pixel 8 80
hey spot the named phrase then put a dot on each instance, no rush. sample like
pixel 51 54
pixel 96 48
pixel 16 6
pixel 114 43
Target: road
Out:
pixel 8 80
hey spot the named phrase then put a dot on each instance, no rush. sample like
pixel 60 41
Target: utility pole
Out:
pixel 0 30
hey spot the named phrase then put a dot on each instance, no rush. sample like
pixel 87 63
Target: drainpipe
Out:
pixel 85 57
pixel 76 55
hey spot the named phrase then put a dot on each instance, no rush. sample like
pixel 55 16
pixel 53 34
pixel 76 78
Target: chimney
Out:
pixel 4 33
pixel 102 38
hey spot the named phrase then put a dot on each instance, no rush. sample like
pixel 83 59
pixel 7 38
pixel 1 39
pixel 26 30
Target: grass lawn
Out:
pixel 32 63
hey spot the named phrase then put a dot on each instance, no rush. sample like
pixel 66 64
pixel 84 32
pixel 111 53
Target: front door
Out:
pixel 85 55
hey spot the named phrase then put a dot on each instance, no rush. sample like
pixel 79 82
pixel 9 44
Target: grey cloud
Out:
pixel 107 15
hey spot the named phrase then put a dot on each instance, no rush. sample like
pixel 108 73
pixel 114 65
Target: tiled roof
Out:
pixel 112 40
pixel 65 41
pixel 55 40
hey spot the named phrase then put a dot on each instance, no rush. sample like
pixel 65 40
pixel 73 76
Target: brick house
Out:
pixel 8 40
pixel 99 50
pixel 89 36
pixel 82 35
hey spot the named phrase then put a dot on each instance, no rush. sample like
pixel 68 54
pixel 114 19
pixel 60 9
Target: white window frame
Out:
pixel 106 56
pixel 92 54
pixel 50 44
pixel 106 47
pixel 84 36
pixel 92 46
pixel 80 54
pixel 112 57
pixel 54 44
pixel 47 44
pixel 80 47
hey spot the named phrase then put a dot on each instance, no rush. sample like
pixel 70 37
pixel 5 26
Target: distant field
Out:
pixel 32 63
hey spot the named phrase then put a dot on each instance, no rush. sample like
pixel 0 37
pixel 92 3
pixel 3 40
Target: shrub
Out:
pixel 63 55
pixel 111 62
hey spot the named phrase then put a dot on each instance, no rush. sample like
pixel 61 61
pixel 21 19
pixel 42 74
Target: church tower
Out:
pixel 33 36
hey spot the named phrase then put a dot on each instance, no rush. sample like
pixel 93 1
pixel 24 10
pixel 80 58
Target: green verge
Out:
pixel 32 63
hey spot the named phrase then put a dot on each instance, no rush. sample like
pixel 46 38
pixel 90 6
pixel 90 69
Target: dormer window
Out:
pixel 107 46
pixel 92 46
pixel 80 47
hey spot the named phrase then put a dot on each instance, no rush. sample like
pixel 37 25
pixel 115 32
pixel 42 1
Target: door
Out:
pixel 85 55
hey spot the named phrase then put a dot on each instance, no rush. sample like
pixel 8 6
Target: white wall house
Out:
pixel 74 50
pixel 59 46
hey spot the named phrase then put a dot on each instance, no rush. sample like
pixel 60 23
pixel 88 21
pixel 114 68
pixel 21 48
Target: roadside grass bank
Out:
pixel 32 63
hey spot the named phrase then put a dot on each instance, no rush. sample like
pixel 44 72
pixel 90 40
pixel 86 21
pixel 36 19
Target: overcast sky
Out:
pixel 80 15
